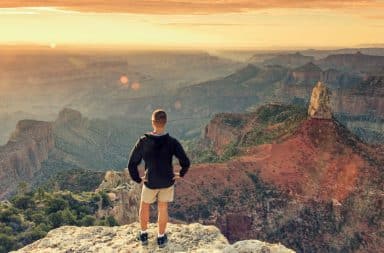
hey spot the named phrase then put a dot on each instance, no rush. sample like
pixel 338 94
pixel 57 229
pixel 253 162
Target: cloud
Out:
pixel 375 17
pixel 202 24
pixel 189 7
pixel 215 24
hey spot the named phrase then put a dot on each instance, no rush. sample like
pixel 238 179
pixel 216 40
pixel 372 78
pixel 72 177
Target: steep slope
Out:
pixel 21 158
pixel 299 81
pixel 306 182
pixel 90 143
pixel 38 150
pixel 247 86
pixel 361 108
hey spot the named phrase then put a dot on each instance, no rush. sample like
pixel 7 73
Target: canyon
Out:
pixel 24 153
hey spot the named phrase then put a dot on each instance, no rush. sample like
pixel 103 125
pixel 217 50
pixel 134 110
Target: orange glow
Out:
pixel 135 86
pixel 177 105
pixel 124 80
pixel 251 24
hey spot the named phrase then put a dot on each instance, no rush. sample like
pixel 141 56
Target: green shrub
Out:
pixel 31 235
pixel 22 201
pixel 106 202
pixel 68 218
pixel 39 217
pixel 111 221
pixel 6 243
pixel 87 220
pixel 55 219
pixel 230 151
pixel 56 204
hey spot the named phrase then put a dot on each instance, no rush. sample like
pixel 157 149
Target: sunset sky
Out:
pixel 193 24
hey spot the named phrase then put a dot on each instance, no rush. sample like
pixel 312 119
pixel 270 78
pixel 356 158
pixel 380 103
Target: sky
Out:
pixel 213 24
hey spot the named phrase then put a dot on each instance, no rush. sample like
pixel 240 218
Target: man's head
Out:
pixel 159 118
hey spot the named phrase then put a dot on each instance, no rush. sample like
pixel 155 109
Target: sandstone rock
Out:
pixel 21 157
pixel 124 194
pixel 182 238
pixel 252 246
pixel 223 129
pixel 319 106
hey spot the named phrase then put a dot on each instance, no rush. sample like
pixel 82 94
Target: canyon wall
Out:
pixel 22 156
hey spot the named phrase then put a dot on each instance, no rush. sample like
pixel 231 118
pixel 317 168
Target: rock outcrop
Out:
pixel 124 194
pixel 182 238
pixel 222 130
pixel 295 182
pixel 319 105
pixel 22 156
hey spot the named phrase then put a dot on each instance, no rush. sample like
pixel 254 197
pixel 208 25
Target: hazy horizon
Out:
pixel 201 24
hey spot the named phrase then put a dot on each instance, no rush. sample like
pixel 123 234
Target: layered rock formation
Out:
pixel 124 194
pixel 296 180
pixel 306 73
pixel 320 103
pixel 289 60
pixel 182 238
pixel 353 62
pixel 22 156
pixel 299 81
pixel 221 133
pixel 363 99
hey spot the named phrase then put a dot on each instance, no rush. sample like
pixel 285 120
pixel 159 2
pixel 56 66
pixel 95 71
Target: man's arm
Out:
pixel 183 158
pixel 134 160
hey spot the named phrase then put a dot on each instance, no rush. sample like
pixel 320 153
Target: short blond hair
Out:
pixel 159 117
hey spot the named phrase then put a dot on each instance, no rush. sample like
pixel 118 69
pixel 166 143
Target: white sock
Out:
pixel 160 235
pixel 143 231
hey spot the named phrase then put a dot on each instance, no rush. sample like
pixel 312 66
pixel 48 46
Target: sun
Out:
pixel 52 45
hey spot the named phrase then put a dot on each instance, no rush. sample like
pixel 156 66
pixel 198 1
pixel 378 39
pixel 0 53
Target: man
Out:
pixel 156 148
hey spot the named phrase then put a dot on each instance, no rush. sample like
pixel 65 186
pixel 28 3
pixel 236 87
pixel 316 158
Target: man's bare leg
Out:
pixel 162 208
pixel 144 215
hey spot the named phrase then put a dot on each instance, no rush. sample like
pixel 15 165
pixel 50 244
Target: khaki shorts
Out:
pixel 163 195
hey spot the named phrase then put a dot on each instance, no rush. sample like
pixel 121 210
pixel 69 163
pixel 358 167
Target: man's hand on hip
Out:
pixel 177 175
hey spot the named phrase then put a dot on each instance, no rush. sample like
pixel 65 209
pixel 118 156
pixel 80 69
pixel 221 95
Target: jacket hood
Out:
pixel 159 140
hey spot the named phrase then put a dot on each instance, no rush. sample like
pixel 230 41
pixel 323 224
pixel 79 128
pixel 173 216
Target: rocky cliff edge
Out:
pixel 121 239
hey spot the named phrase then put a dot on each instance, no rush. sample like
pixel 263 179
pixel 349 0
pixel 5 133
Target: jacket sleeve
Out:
pixel 135 158
pixel 182 157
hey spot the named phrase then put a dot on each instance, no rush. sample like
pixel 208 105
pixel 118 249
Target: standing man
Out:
pixel 156 148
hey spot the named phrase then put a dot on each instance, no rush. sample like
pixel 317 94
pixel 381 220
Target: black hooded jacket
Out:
pixel 157 152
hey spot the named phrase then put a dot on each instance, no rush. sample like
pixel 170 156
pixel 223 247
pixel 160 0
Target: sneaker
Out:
pixel 143 238
pixel 162 241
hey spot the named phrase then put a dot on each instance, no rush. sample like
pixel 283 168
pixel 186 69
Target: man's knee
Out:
pixel 144 206
pixel 162 205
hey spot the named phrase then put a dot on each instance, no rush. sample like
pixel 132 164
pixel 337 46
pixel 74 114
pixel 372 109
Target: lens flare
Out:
pixel 124 80
pixel 135 86
pixel 177 105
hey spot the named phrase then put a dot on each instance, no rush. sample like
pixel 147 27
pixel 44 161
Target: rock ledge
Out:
pixel 121 239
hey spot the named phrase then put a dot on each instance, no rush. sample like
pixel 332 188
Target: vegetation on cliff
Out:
pixel 29 215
